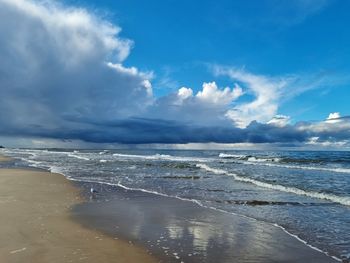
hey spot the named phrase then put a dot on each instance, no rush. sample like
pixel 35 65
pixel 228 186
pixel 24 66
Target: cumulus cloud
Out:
pixel 207 107
pixel 60 66
pixel 333 117
pixel 184 93
pixel 211 94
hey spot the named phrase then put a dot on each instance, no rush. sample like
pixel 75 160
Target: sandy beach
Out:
pixel 36 226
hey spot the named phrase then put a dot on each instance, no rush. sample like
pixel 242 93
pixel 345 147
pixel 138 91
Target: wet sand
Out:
pixel 36 224
pixel 182 231
pixel 4 158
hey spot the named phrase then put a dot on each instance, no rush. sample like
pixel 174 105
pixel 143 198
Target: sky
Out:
pixel 271 73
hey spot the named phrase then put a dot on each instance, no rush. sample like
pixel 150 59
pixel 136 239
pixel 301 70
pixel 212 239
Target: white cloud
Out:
pixel 60 64
pixel 207 107
pixel 340 144
pixel 211 94
pixel 333 117
pixel 279 120
pixel 333 125
pixel 184 93
pixel 266 91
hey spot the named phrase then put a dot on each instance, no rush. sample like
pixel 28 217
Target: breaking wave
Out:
pixel 164 157
pixel 282 188
pixel 284 162
pixel 78 157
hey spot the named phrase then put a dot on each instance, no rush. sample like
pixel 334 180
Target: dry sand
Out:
pixel 36 226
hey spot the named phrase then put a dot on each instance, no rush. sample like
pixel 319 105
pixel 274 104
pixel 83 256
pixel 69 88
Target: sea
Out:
pixel 306 193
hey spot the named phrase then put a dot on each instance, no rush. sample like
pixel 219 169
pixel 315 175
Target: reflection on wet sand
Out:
pixel 180 231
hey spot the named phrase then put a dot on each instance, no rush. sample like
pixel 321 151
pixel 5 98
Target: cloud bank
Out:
pixel 61 64
pixel 62 76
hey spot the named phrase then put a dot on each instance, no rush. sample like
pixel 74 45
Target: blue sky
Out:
pixel 162 71
pixel 176 39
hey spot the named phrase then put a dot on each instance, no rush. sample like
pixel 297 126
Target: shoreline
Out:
pixel 302 241
pixel 309 252
pixel 118 213
pixel 36 223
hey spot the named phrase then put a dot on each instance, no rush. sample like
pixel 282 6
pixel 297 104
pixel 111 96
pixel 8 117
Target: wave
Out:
pixel 255 159
pixel 301 167
pixel 234 156
pixel 58 170
pixel 282 188
pixel 32 163
pixel 78 157
pixel 285 159
pixel 280 162
pixel 249 158
pixel 165 157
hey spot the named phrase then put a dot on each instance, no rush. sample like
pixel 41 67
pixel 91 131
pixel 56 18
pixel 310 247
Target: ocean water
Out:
pixel 305 193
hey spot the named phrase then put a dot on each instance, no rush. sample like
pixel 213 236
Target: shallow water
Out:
pixel 307 193
pixel 177 231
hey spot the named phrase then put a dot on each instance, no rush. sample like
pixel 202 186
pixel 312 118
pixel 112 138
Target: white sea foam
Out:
pixel 327 169
pixel 237 156
pixel 161 157
pixel 103 161
pixel 282 188
pixel 78 157
pixel 306 243
pixel 262 160
pixel 32 163
pixel 276 162
pixel 249 158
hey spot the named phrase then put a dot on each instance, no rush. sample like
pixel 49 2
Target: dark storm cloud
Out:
pixel 140 130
